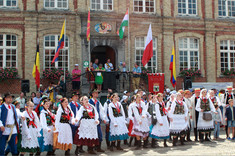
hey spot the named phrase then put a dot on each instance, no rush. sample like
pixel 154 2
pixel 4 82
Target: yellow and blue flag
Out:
pixel 60 44
pixel 172 68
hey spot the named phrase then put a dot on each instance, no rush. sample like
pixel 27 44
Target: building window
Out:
pixel 226 8
pixel 187 7
pixel 144 6
pixel 139 50
pixel 189 53
pixel 8 51
pixel 8 3
pixel 61 4
pixel 50 46
pixel 106 5
pixel 227 55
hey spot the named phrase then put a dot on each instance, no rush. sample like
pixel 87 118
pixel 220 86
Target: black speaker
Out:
pixel 25 86
pixel 187 82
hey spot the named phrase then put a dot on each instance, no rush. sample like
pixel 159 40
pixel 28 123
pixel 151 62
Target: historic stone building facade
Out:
pixel 203 32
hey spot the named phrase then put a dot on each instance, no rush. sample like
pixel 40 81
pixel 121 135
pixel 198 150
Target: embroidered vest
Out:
pixel 28 122
pixel 115 112
pixel 49 119
pixel 86 115
pixel 178 108
pixel 161 110
pixel 205 105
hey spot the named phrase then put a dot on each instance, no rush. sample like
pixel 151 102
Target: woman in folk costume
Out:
pixel 131 119
pixel 30 131
pixel 47 120
pixel 140 123
pixel 87 134
pixel 118 129
pixel 161 128
pixel 178 119
pixel 205 108
pixel 63 138
pixel 189 105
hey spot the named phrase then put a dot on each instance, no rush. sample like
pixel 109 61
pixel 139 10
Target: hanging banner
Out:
pixel 156 82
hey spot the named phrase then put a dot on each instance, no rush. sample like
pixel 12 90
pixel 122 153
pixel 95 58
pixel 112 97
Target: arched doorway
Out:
pixel 103 53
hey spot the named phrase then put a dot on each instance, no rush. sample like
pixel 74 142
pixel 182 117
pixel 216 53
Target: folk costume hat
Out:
pixel 74 93
pixel 7 95
pixel 229 88
pixel 197 90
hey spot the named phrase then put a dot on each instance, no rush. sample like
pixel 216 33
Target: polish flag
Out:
pixel 148 48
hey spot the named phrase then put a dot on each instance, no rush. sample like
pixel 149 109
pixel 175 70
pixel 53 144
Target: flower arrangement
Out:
pixel 190 72
pixel 227 72
pixel 8 73
pixel 55 74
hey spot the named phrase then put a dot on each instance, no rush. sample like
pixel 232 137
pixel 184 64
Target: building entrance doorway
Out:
pixel 103 53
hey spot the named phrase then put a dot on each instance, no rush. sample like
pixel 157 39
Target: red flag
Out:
pixel 88 27
pixel 148 49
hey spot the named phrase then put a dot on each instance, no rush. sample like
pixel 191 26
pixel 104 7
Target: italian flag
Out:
pixel 124 23
pixel 148 48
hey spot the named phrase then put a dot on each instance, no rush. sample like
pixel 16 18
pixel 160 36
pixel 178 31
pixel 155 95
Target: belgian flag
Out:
pixel 36 68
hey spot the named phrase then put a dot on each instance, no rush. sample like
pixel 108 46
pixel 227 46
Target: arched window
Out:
pixel 50 46
pixel 8 50
pixel 139 50
pixel 189 53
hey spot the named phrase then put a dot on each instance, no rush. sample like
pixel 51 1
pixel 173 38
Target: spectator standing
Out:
pixel 136 76
pixel 124 79
pixel 33 94
pixel 230 118
pixel 99 77
pixel 51 91
pixel 76 73
pixel 90 76
pixel 21 100
pixel 95 64
pixel 37 99
pixel 108 65
pixel 62 85
pixel 217 117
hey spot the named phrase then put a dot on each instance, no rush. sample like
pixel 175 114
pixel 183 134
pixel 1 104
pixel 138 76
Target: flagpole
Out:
pixel 129 52
pixel 64 51
pixel 89 43
pixel 39 59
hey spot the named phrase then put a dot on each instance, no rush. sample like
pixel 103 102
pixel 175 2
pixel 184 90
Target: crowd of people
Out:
pixel 144 118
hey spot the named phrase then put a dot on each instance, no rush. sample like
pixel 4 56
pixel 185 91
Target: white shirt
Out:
pixel 9 121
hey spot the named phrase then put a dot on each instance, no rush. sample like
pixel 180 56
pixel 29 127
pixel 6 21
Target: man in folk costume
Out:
pixel 8 126
pixel 227 96
pixel 75 106
pixel 95 102
pixel 194 112
pixel 108 66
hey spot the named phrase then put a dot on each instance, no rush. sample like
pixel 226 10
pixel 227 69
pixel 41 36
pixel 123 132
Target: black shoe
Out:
pixel 119 146
pixel 138 145
pixel 111 146
pixel 67 152
pixel 182 140
pixel 175 141
pixel 99 148
pixel 125 142
pixel 38 153
pixel 145 144
pixel 77 150
pixel 165 145
pixel 91 150
pixel 189 140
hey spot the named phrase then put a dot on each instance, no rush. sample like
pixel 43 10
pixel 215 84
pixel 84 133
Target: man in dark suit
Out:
pixel 230 118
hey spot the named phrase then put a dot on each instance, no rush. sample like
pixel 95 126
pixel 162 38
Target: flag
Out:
pixel 88 31
pixel 36 68
pixel 172 68
pixel 148 48
pixel 123 25
pixel 60 44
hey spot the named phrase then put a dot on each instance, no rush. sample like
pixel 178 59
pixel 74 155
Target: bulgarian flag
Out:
pixel 124 24
pixel 148 48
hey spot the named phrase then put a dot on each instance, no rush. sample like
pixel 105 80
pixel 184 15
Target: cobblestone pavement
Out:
pixel 220 147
